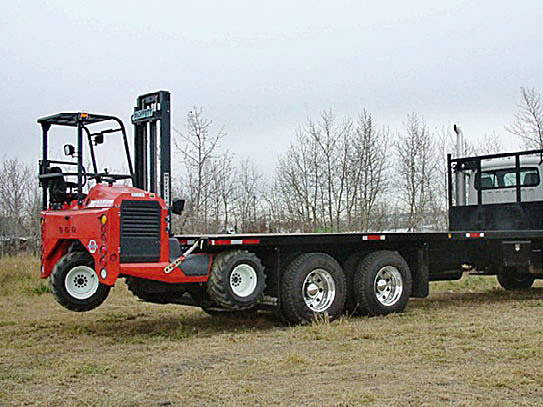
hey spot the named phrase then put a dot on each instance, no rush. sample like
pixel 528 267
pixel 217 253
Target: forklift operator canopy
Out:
pixel 49 172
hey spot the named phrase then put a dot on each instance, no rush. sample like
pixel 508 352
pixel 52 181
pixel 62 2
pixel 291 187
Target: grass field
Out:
pixel 469 344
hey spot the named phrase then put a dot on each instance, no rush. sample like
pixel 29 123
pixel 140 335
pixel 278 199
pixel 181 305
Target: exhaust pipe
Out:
pixel 460 176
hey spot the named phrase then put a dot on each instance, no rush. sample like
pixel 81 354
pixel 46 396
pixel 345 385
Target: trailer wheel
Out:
pixel 512 281
pixel 382 283
pixel 236 281
pixel 313 284
pixel 75 284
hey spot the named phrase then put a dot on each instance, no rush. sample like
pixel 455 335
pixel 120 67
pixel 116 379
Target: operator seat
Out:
pixel 58 187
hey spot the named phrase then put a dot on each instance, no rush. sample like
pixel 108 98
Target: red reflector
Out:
pixel 374 237
pixel 481 234
pixel 221 242
pixel 234 242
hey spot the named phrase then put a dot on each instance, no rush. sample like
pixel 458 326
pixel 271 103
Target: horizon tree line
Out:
pixel 338 174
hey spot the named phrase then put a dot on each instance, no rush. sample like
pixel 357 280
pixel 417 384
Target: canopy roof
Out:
pixel 73 119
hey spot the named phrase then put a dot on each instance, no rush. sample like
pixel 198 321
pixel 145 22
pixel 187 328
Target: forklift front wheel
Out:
pixel 75 284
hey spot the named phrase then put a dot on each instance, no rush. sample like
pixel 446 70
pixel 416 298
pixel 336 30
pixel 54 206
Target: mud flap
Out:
pixel 420 273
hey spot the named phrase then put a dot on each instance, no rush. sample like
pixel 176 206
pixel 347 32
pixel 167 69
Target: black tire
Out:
pixel 57 282
pixel 219 287
pixel 293 304
pixel 364 283
pixel 513 281
pixel 349 267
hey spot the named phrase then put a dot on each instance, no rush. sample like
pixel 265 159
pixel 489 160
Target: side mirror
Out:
pixel 69 149
pixel 98 139
pixel 178 205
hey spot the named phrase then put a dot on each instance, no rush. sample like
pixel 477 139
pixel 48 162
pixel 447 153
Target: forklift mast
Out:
pixel 152 148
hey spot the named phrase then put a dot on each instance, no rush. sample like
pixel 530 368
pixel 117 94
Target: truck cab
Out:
pixel 497 181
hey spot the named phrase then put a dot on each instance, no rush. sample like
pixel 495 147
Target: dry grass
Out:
pixel 469 344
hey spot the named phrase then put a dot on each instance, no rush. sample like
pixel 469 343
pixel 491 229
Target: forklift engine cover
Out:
pixel 108 218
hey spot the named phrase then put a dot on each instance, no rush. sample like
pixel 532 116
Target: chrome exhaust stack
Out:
pixel 460 175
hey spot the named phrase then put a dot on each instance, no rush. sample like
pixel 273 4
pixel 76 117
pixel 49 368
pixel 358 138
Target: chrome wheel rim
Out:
pixel 81 282
pixel 388 285
pixel 243 280
pixel 319 290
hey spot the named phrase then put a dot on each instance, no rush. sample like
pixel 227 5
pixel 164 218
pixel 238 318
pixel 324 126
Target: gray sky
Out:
pixel 261 68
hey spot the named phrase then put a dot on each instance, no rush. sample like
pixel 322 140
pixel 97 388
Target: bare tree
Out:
pixel 19 202
pixel 528 123
pixel 369 164
pixel 248 196
pixel 198 148
pixel 224 181
pixel 416 166
pixel 297 180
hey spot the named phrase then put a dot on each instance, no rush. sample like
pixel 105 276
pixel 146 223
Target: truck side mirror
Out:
pixel 69 149
pixel 178 205
pixel 98 139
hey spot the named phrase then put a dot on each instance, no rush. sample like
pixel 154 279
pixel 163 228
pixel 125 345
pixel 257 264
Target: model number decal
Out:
pixel 101 203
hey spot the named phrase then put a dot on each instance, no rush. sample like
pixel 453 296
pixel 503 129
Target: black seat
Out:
pixel 486 183
pixel 531 179
pixel 57 186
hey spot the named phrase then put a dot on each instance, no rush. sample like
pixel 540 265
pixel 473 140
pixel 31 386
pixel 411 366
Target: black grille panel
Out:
pixel 140 231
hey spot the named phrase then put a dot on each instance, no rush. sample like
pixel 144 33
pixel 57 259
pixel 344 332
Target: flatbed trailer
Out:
pixel 89 240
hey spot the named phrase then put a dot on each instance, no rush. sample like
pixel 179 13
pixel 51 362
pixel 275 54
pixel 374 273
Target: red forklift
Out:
pixel 98 225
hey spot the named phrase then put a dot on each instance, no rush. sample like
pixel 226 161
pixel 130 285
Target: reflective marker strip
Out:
pixel 233 242
pixel 374 237
pixel 251 241
pixel 481 234
pixel 187 242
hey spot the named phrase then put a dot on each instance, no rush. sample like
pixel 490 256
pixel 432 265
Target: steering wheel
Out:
pixel 110 178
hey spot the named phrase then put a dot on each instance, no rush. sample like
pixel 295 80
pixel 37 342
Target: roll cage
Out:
pixel 49 174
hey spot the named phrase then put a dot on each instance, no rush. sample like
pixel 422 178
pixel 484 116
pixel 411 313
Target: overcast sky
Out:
pixel 260 69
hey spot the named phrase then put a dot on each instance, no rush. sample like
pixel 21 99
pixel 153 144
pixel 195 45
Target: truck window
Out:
pixel 507 178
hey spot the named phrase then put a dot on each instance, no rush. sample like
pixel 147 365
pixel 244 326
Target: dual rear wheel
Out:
pixel 315 284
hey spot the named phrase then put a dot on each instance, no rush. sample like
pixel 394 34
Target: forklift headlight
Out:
pixel 103 274
pixel 103 219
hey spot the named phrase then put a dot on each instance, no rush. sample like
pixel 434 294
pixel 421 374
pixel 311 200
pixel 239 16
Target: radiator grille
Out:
pixel 140 231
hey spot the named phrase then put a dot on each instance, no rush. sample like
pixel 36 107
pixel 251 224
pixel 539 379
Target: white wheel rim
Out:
pixel 243 280
pixel 388 286
pixel 319 290
pixel 81 282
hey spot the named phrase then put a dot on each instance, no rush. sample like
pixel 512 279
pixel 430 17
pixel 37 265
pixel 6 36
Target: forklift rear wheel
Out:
pixel 511 280
pixel 236 280
pixel 75 284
